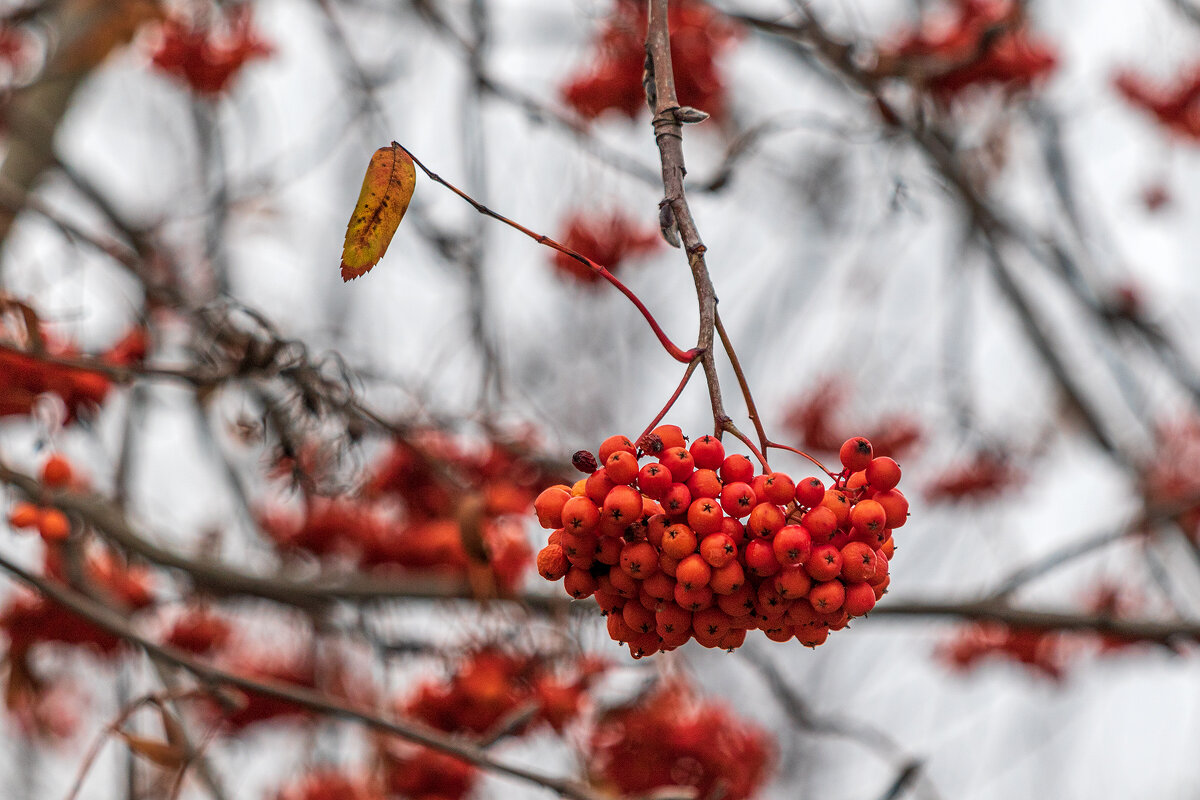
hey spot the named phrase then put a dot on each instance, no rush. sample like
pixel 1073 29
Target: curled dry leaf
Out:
pixel 387 188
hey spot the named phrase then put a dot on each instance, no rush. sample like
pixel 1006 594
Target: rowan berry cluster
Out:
pixel 693 544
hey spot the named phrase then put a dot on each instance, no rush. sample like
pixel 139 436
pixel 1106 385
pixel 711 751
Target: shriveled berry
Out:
pixel 552 562
pixel 585 462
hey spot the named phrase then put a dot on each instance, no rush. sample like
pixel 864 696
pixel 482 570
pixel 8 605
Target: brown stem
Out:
pixel 668 134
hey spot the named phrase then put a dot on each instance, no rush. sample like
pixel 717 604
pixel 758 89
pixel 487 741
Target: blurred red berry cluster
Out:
pixel 671 737
pixel 24 376
pixel 983 476
pixel 1176 107
pixel 492 693
pixel 330 784
pixel 606 239
pixel 1043 650
pixel 614 78
pixel 816 421
pixel 430 503
pixel 209 55
pixel 981 43
pixel 1171 481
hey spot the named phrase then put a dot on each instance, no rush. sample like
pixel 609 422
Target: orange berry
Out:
pixel 579 583
pixel 53 525
pixel 24 515
pixel 883 474
pixel 793 582
pixel 737 469
pixel 598 485
pixel 704 516
pixel 56 472
pixel 821 522
pixel 858 562
pixel 825 563
pixel 678 542
pixel 868 516
pixel 549 505
pixel 671 436
pixel 708 452
pixel 614 443
pixel 704 483
pixel 718 549
pixel 895 505
pixel 621 467
pixel 693 572
pixel 737 499
pixel 655 480
pixel 810 492
pixel 639 559
pixel 855 454
pixel 623 505
pixel 679 461
pixel 860 598
pixel 580 515
pixel 727 579
pixel 765 519
pixel 552 562
pixel 838 502
pixel 779 489
pixel 827 597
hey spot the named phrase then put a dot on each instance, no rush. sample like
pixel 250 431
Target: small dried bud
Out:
pixel 585 462
pixel 689 115
pixel 651 443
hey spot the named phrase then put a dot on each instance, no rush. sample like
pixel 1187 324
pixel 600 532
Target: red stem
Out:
pixel 677 353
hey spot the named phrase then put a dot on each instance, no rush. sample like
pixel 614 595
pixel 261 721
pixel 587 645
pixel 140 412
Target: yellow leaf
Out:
pixel 386 190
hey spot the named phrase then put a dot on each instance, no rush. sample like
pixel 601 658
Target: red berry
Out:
pixel 737 469
pixel 621 467
pixel 825 563
pixel 718 549
pixel 623 505
pixel 704 483
pixel 883 474
pixel 672 618
pixel 580 515
pixel 760 558
pixel 858 562
pixel 679 542
pixel 53 525
pixel 792 545
pixel 810 492
pixel 868 516
pixel 693 572
pixel 827 597
pixel 696 599
pixel 56 472
pixel 727 579
pixel 708 452
pixel 549 505
pixel 24 515
pixel 677 500
pixel 793 583
pixel 597 486
pixel 704 516
pixel 855 454
pixel 860 598
pixel 779 489
pixel 738 499
pixel 895 505
pixel 639 559
pixel 679 461
pixel 614 443
pixel 839 503
pixel 671 436
pixel 821 522
pixel 579 583
pixel 765 519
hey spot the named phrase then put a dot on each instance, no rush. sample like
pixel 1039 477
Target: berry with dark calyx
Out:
pixel 778 489
pixel 855 454
pixel 737 469
pixel 825 563
pixel 792 545
pixel 858 562
pixel 614 443
pixel 718 549
pixel 760 558
pixel 655 481
pixel 738 499
pixel 827 597
pixel 765 520
pixel 708 452
pixel 585 462
pixel 810 492
pixel 621 467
